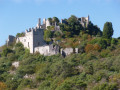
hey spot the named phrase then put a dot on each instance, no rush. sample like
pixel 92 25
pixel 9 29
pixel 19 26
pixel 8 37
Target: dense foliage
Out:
pixel 94 70
pixel 107 30
pixel 96 67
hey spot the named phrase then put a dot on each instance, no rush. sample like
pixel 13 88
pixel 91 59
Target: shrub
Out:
pixel 105 53
pixel 3 86
pixel 85 36
pixel 6 51
pixel 97 47
pixel 106 86
pixel 19 49
pixel 102 43
pixel 114 41
pixel 89 48
pixel 57 34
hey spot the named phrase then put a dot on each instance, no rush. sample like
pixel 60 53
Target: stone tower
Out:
pixel 44 24
pixel 44 21
pixel 33 37
pixel 47 23
pixel 39 23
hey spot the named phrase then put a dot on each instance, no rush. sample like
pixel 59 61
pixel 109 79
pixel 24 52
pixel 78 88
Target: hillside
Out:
pixel 94 70
pixel 95 67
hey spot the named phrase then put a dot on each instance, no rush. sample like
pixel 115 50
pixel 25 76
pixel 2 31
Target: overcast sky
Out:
pixel 18 15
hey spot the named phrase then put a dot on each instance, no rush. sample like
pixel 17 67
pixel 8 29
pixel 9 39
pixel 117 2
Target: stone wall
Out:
pixel 84 21
pixel 47 50
pixel 68 51
pixel 10 40
pixel 33 38
pixel 27 40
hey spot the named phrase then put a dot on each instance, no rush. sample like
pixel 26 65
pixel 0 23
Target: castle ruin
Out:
pixel 33 39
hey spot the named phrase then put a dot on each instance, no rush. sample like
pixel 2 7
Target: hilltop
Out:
pixel 95 67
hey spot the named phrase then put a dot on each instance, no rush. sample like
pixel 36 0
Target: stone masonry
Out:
pixel 33 39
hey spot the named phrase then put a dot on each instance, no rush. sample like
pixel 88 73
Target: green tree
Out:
pixel 72 19
pixel 57 34
pixel 19 49
pixel 114 41
pixel 6 51
pixel 102 43
pixel 93 29
pixel 20 34
pixel 47 34
pixel 108 30
pixel 55 19
pixel 50 20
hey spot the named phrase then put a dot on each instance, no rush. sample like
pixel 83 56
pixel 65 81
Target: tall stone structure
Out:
pixel 47 23
pixel 10 40
pixel 33 40
pixel 33 37
pixel 84 21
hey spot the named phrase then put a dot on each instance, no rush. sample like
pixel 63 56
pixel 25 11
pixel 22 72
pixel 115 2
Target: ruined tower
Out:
pixel 33 37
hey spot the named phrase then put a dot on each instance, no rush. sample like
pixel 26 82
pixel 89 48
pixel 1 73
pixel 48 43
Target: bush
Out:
pixel 6 51
pixel 106 86
pixel 57 34
pixel 3 86
pixel 26 83
pixel 114 41
pixel 19 49
pixel 90 48
pixel 105 53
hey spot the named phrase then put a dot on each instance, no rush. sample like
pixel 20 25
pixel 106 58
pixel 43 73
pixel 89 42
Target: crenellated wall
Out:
pixel 33 38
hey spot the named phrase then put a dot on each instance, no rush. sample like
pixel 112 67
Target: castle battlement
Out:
pixel 31 30
pixel 33 39
pixel 27 31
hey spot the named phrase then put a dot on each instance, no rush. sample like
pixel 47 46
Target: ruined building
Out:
pixel 84 21
pixel 33 40
pixel 10 40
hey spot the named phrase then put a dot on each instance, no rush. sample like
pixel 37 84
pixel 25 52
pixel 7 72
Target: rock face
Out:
pixel 15 64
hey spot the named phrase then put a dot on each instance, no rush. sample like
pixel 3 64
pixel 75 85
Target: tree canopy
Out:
pixel 108 30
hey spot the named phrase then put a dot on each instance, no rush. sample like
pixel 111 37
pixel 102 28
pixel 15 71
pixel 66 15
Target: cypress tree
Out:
pixel 108 30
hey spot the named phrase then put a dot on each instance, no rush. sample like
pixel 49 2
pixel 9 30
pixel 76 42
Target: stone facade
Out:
pixel 48 50
pixel 33 40
pixel 46 23
pixel 10 40
pixel 68 51
pixel 84 21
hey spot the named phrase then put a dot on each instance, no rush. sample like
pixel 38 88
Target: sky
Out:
pixel 18 15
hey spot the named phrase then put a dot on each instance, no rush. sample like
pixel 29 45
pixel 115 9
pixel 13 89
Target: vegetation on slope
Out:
pixel 96 67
